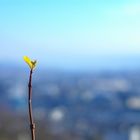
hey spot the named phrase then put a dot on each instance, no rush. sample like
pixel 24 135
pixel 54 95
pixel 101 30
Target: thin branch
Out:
pixel 32 124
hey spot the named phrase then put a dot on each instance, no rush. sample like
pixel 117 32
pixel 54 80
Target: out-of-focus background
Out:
pixel 86 85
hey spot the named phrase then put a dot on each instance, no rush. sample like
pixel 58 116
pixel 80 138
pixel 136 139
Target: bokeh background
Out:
pixel 87 82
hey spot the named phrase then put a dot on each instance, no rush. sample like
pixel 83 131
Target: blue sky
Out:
pixel 71 34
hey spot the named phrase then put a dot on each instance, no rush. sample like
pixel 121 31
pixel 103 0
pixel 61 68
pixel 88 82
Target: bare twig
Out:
pixel 32 124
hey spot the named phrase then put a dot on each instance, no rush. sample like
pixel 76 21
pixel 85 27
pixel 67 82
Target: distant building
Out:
pixel 135 133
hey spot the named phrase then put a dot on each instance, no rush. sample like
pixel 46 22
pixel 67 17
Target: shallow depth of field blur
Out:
pixel 86 85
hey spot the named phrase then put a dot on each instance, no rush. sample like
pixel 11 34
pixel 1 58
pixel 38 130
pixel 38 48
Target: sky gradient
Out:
pixel 71 34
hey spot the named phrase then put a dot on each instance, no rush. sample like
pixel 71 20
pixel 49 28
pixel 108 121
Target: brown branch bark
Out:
pixel 32 124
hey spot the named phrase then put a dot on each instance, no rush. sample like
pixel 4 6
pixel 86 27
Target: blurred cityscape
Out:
pixel 71 106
